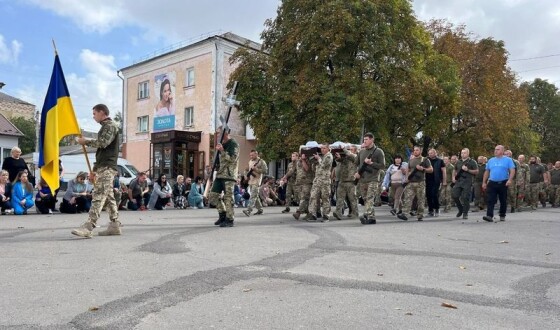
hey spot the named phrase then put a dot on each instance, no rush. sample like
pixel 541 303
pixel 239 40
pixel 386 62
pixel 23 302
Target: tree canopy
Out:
pixel 544 110
pixel 27 127
pixel 330 70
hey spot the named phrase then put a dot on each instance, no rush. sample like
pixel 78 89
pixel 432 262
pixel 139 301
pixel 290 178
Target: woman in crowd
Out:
pixel 5 193
pixel 45 202
pixel 195 196
pixel 180 193
pixel 22 194
pixel 15 164
pixel 77 198
pixel 396 178
pixel 161 195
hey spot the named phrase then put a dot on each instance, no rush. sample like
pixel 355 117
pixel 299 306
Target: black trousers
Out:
pixel 496 190
pixel 432 195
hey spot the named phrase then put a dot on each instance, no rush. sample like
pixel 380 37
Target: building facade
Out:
pixel 172 106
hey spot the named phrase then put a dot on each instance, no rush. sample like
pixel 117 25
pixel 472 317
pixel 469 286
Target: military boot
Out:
pixel 221 218
pixel 85 230
pixel 226 223
pixel 114 228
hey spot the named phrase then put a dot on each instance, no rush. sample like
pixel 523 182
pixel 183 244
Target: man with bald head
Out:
pixel 498 176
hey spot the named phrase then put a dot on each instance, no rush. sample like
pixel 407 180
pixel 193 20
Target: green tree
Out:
pixel 329 68
pixel 28 128
pixel 493 109
pixel 544 110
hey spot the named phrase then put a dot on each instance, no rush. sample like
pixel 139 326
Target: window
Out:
pixel 142 124
pixel 189 77
pixel 143 91
pixel 189 112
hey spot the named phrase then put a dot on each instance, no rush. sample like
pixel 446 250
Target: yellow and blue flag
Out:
pixel 57 121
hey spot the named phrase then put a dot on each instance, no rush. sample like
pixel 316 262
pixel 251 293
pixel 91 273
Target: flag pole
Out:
pixel 79 135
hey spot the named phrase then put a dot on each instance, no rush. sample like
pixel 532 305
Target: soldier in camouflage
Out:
pixel 321 187
pixel 522 181
pixel 104 171
pixel 445 190
pixel 257 168
pixel 290 178
pixel 221 193
pixel 418 166
pixel 555 184
pixel 536 172
pixel 544 183
pixel 479 193
pixel 305 172
pixel 346 189
pixel 371 159
pixel 512 189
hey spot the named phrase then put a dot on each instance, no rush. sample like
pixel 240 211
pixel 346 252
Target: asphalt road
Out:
pixel 174 269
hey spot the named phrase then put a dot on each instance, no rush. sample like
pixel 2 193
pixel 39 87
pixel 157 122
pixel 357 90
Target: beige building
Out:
pixel 172 106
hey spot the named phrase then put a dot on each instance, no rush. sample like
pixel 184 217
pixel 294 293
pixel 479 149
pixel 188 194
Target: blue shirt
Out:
pixel 499 168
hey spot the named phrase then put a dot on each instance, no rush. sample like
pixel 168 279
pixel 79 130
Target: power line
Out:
pixel 533 58
pixel 548 67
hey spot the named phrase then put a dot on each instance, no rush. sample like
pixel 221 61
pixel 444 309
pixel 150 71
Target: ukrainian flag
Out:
pixel 57 121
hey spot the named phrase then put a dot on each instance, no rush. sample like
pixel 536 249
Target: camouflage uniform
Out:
pixel 512 188
pixel 479 193
pixel 416 186
pixel 463 185
pixel 321 188
pixel 378 201
pixel 445 191
pixel 555 186
pixel 304 180
pixel 254 184
pixel 522 182
pixel 292 194
pixel 225 180
pixel 369 180
pixel 346 188
pixel 543 187
pixel 536 171
pixel 105 170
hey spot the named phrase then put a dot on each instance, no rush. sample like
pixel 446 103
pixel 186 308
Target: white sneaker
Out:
pixel 50 211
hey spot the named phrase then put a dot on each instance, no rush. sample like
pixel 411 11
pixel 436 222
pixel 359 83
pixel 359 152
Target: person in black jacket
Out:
pixel 14 164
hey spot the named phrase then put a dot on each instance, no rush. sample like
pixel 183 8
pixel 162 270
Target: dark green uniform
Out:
pixel 463 185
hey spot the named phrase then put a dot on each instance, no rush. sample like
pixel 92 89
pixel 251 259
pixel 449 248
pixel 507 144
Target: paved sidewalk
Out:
pixel 174 269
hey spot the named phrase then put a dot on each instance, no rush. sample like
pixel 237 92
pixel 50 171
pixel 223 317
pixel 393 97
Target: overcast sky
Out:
pixel 95 38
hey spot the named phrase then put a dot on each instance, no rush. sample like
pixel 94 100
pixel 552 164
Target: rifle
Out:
pixel 231 102
pixel 364 167
pixel 411 175
pixel 250 173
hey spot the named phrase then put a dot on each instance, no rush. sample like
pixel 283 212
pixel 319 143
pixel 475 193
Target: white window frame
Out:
pixel 188 117
pixel 188 81
pixel 144 90
pixel 143 124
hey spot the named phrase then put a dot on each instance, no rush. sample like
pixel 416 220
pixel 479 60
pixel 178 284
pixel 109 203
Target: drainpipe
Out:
pixel 123 110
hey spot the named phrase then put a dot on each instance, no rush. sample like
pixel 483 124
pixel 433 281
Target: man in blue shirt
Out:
pixel 498 176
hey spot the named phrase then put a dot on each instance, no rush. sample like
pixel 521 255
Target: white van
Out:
pixel 73 164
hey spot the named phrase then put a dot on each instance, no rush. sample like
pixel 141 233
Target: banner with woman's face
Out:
pixel 164 110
